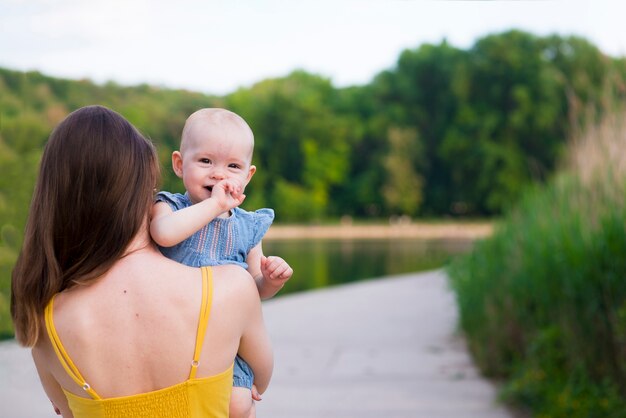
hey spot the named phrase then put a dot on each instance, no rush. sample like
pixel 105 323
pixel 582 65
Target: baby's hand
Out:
pixel 228 193
pixel 276 270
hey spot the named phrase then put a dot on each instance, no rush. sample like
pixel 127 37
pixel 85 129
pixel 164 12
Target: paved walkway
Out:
pixel 381 348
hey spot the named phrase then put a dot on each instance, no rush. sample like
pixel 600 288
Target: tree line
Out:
pixel 445 132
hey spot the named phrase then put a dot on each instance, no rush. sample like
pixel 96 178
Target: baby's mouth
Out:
pixel 209 188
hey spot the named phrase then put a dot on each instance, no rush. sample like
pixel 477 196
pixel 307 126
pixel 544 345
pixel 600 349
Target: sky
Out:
pixel 217 46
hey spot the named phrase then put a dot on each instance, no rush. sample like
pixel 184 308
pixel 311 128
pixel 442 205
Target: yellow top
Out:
pixel 195 397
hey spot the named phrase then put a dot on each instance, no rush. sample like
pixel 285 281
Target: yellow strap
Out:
pixel 205 311
pixel 64 358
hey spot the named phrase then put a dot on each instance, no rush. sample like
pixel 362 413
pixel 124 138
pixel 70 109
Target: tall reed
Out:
pixel 543 301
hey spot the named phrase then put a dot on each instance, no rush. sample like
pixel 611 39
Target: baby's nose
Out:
pixel 217 173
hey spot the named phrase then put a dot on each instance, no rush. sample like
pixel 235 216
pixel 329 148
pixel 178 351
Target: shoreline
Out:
pixel 421 230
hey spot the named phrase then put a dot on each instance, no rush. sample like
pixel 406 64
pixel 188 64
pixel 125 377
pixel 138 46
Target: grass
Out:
pixel 543 301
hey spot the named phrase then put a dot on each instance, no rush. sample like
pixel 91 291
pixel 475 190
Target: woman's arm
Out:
pixel 255 346
pixel 50 385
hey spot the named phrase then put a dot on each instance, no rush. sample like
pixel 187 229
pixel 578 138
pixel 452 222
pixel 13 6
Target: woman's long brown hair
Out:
pixel 92 196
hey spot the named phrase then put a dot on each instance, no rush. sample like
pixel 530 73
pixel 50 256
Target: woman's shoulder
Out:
pixel 231 275
pixel 234 283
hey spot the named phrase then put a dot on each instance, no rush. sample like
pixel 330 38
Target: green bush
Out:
pixel 543 301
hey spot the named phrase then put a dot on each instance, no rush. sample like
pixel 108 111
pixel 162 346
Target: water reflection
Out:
pixel 324 262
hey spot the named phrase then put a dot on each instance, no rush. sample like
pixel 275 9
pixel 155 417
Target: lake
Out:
pixel 320 263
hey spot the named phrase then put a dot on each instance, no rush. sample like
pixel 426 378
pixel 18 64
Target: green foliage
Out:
pixel 402 190
pixel 296 202
pixel 301 144
pixel 420 94
pixel 543 301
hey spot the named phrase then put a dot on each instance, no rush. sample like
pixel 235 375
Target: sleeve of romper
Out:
pixel 172 199
pixel 263 219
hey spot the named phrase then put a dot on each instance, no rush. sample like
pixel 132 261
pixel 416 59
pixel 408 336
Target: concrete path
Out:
pixel 382 348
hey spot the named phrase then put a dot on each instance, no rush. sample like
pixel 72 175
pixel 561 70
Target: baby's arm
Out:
pixel 270 273
pixel 169 227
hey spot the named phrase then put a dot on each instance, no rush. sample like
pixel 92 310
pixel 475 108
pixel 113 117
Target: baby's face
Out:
pixel 211 154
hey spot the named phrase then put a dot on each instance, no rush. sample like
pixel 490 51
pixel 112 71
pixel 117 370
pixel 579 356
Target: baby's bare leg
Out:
pixel 241 404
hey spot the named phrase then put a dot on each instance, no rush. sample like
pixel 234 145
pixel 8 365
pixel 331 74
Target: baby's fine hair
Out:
pixel 216 117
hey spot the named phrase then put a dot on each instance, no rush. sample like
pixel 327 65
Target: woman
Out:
pixel 116 329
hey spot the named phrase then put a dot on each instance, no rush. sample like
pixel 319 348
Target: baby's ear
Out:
pixel 177 163
pixel 251 172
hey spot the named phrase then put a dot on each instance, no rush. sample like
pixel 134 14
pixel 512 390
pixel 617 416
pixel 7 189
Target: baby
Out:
pixel 205 226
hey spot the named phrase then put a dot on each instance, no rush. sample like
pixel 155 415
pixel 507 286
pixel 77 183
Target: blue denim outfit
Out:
pixel 222 241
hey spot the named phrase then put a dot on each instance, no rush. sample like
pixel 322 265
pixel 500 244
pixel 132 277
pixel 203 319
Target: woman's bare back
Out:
pixel 134 330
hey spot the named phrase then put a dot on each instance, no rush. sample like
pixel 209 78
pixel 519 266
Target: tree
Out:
pixel 507 124
pixel 402 190
pixel 420 93
pixel 299 139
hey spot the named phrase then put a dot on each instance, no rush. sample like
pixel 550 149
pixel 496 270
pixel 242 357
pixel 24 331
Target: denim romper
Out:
pixel 222 241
